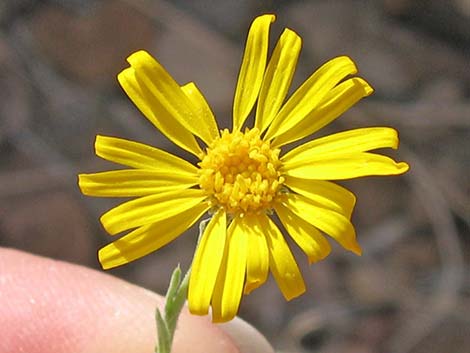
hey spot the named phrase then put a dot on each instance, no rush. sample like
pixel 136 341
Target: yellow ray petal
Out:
pixel 206 264
pixel 141 156
pixel 202 111
pixel 281 261
pixel 307 237
pixel 345 166
pixel 277 79
pixel 310 95
pixel 152 76
pixel 150 209
pixel 157 113
pixel 133 182
pixel 149 238
pixel 350 141
pixel 228 291
pixel 330 222
pixel 216 301
pixel 328 194
pixel 337 101
pixel 252 69
pixel 257 266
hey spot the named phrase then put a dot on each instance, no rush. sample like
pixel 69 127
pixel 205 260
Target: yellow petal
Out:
pixel 206 264
pixel 216 302
pixel 277 78
pixel 203 112
pixel 330 222
pixel 252 69
pixel 150 209
pixel 310 95
pixel 140 156
pixel 133 182
pixel 307 237
pixel 151 75
pixel 149 238
pixel 345 166
pixel 257 266
pixel 281 261
pixel 325 193
pixel 337 101
pixel 157 113
pixel 350 141
pixel 229 287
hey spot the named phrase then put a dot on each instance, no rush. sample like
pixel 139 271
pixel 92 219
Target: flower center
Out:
pixel 240 172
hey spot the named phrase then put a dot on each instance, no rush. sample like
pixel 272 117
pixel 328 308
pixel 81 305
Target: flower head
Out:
pixel 243 178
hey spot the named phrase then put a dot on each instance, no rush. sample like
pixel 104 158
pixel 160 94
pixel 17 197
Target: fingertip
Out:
pixel 246 337
pixel 53 306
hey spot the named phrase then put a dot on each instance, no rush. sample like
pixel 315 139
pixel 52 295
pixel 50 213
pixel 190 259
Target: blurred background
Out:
pixel 409 292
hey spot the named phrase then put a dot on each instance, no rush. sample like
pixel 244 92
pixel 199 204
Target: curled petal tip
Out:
pixel 356 249
pixel 368 89
pixel 301 290
pixel 197 310
pixel 270 16
pixel 404 167
pixel 104 220
pixel 139 54
pixel 249 287
pixel 104 255
pixel 351 62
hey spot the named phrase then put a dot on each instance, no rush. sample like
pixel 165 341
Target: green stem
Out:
pixel 174 302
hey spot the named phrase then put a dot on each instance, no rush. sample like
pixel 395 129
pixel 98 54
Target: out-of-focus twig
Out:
pixel 446 291
pixel 421 114
pixel 165 13
pixel 385 234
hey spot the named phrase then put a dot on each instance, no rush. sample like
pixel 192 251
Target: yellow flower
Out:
pixel 243 177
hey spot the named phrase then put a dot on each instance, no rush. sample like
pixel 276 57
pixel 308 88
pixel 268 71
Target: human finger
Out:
pixel 52 306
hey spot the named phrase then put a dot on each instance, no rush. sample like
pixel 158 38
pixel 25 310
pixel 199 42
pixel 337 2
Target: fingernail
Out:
pixel 246 337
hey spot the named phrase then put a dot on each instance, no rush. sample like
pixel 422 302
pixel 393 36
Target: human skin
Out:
pixel 56 307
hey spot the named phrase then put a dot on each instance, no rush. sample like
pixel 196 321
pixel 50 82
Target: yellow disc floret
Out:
pixel 240 172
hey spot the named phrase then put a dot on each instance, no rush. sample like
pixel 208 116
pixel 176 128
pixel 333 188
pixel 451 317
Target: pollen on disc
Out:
pixel 240 172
